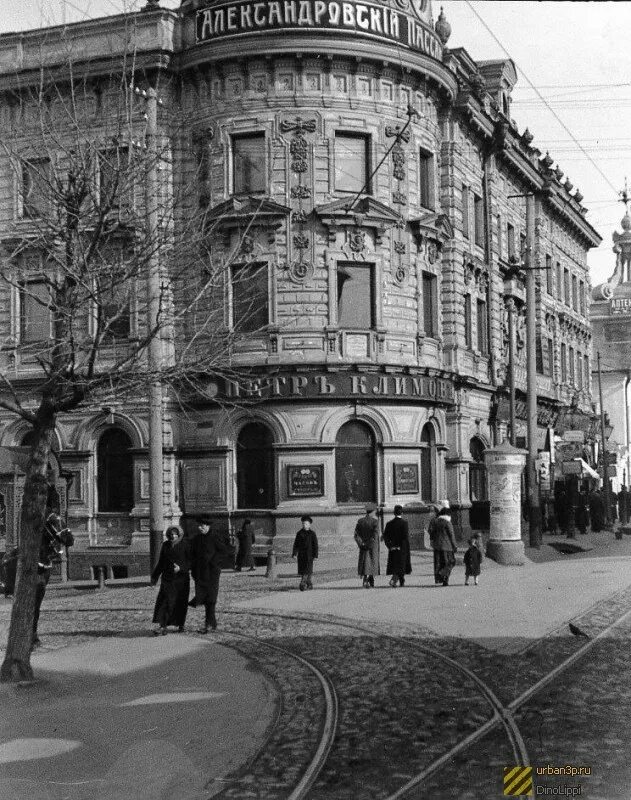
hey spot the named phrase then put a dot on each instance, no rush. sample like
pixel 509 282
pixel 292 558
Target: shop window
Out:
pixel 255 467
pixel 115 474
pixel 355 464
pixel 483 327
pixel 248 163
pixel 426 179
pixel 35 313
pixel 478 220
pixel 430 304
pixel 428 463
pixel 352 162
pixel 468 333
pixel 250 297
pixel 355 296
pixel 478 488
pixel 37 188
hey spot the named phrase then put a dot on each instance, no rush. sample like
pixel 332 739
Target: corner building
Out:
pixel 365 183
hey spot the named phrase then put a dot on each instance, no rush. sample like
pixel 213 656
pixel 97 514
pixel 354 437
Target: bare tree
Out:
pixel 77 252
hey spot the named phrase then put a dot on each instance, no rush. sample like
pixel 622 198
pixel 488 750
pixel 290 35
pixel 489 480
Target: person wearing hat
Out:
pixel 173 565
pixel 367 539
pixel 397 540
pixel 445 545
pixel 306 548
pixel 208 554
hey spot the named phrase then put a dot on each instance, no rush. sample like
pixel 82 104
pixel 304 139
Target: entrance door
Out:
pixel 255 467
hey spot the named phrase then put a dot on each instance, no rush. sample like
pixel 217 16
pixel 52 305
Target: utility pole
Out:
pixel 154 323
pixel 604 448
pixel 534 511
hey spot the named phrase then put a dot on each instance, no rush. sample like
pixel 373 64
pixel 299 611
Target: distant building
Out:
pixel 610 315
pixel 369 182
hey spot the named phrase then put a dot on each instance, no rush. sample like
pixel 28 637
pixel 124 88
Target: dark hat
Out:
pixel 370 507
pixel 398 510
pixel 306 518
pixel 204 519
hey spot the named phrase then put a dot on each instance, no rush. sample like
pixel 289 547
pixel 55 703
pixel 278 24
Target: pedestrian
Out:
pixel 623 505
pixel 173 566
pixel 367 539
pixel 397 540
pixel 431 532
pixel 596 511
pixel 582 514
pixel 561 504
pixel 208 554
pixel 445 546
pixel 306 548
pixel 473 559
pixel 54 538
pixel 246 539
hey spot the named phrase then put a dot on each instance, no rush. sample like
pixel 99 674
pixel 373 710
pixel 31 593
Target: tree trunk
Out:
pixel 17 661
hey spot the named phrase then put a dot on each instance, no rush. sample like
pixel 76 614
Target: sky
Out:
pixel 573 91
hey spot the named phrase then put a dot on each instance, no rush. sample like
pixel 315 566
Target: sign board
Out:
pixel 405 478
pixel 572 468
pixel 574 436
pixel 375 21
pixel 612 472
pixel 620 305
pixel 305 480
pixel 543 471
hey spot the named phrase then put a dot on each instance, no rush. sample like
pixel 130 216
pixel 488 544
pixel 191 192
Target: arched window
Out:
pixel 115 472
pixel 255 467
pixel 478 489
pixel 355 464
pixel 428 463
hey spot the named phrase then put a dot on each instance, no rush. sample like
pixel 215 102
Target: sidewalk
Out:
pixel 143 718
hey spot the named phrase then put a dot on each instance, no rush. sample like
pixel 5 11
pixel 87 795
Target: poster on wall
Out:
pixel 305 480
pixel 405 478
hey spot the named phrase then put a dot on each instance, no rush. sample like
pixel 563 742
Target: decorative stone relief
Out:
pixel 357 240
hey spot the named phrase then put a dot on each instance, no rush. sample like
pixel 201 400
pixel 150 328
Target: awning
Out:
pixel 587 470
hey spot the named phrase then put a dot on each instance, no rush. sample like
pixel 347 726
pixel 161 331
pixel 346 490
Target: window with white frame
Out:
pixel 426 179
pixel 248 163
pixel 250 297
pixel 352 162
pixel 356 296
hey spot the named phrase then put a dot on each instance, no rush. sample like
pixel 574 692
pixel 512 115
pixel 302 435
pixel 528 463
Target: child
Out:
pixel 473 559
pixel 306 548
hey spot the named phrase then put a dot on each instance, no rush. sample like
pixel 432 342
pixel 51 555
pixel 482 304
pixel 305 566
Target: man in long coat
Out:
pixel 397 540
pixel 208 554
pixel 367 539
pixel 596 511
pixel 445 545
pixel 306 548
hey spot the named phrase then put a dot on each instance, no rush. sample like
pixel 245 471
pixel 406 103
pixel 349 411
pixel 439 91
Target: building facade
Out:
pixel 365 186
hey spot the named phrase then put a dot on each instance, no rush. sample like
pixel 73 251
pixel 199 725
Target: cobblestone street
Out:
pixel 405 697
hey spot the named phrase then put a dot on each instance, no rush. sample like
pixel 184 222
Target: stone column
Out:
pixel 505 465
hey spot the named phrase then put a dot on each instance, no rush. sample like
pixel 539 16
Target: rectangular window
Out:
pixel 539 355
pixel 352 162
pixel 522 247
pixel 114 178
pixel 579 370
pixel 426 179
pixel 465 212
pixel 550 371
pixel 563 362
pixel 467 321
pixel 559 287
pixel 572 362
pixel 574 293
pixel 510 240
pixel 430 304
pixel 500 244
pixel 478 219
pixel 483 330
pixel 248 163
pixel 355 296
pixel 581 297
pixel 566 286
pixel 202 174
pixel 586 375
pixel 250 297
pixel 35 316
pixel 549 276
pixel 37 188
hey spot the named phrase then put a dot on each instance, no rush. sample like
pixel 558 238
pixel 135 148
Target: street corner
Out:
pixel 137 718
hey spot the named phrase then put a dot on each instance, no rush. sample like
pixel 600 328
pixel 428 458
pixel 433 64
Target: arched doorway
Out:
pixel 355 464
pixel 428 463
pixel 478 486
pixel 255 467
pixel 115 472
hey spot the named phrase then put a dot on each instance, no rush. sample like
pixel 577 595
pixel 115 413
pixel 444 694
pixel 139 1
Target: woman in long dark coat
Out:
pixel 596 511
pixel 173 565
pixel 306 548
pixel 397 540
pixel 246 539
pixel 445 546
pixel 367 539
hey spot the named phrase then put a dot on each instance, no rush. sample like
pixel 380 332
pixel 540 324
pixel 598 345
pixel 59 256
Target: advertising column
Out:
pixel 505 465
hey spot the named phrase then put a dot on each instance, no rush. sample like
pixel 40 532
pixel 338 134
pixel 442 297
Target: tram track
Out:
pixel 503 715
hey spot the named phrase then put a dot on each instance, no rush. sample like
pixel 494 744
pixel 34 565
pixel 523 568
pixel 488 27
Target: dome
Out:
pixel 442 27
pixel 626 222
